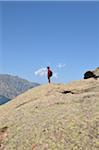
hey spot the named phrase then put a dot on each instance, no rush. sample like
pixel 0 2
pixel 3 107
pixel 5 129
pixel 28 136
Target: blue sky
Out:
pixel 64 35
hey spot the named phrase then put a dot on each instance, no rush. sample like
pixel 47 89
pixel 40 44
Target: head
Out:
pixel 48 67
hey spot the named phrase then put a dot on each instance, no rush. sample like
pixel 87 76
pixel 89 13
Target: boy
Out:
pixel 49 74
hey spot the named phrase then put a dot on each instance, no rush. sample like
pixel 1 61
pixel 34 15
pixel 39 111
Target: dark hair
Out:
pixel 48 67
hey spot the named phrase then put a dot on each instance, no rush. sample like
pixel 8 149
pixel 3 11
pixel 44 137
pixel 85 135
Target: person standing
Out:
pixel 49 74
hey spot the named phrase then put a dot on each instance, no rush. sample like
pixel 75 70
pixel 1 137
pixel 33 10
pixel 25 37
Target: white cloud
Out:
pixel 61 65
pixel 41 72
pixel 55 75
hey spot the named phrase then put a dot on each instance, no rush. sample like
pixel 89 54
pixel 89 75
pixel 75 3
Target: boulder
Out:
pixel 89 74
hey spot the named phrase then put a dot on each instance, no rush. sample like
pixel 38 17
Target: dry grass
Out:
pixel 47 118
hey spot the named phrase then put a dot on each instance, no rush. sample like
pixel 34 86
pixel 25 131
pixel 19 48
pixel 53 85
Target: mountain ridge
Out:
pixel 3 99
pixel 12 86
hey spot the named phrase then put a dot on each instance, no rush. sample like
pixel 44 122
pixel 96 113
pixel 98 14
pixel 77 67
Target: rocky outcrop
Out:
pixel 89 74
pixel 92 74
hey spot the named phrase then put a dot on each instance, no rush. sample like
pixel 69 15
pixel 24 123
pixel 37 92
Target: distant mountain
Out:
pixel 3 99
pixel 11 86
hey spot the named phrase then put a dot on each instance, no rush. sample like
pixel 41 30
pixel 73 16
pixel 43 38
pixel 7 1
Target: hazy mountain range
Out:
pixel 3 99
pixel 11 86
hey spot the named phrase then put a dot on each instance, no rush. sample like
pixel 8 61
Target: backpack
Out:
pixel 51 73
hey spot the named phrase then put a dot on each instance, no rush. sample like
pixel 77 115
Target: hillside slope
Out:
pixel 52 117
pixel 96 72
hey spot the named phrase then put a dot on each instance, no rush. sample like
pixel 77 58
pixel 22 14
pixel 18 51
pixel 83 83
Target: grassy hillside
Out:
pixel 52 117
